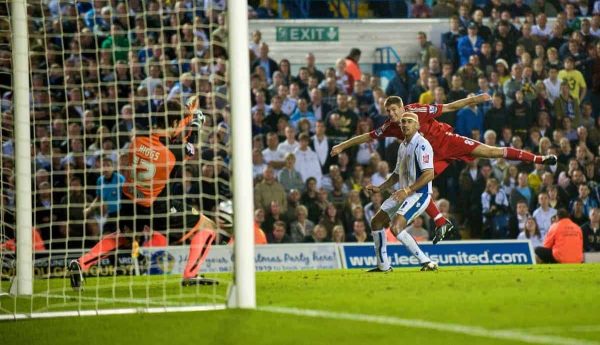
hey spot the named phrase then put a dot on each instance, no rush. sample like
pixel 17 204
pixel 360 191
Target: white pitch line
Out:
pixel 559 329
pixel 438 326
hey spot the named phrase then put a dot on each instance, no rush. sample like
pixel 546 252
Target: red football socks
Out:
pixel 435 214
pixel 520 155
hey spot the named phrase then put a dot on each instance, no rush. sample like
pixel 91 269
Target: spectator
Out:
pixel 543 6
pixel 302 112
pixel 258 164
pixel 463 16
pixel 591 232
pixel 483 31
pixel 302 226
pixel 269 190
pixel 338 234
pixel 541 30
pixel 346 120
pixel 494 204
pixel 274 214
pixel 318 235
pixel 450 43
pixel 517 222
pixel 278 234
pixel 566 105
pixel 307 161
pixel 417 230
pixel 400 83
pixel 311 67
pixel 577 215
pixel 421 10
pixel 117 43
pixel 588 201
pixel 359 233
pixel 514 84
pixel 265 11
pixel 469 44
pixel 574 79
pixel 496 117
pixel 456 92
pixel 519 9
pixel 555 199
pixel 522 192
pixel 330 218
pixel 255 43
pixel 263 60
pixel 531 233
pixel 352 61
pixel 317 107
pixel 321 145
pixel 563 243
pixel 471 182
pixel 427 96
pixel 289 145
pixel 543 214
pixel 374 205
pixel 443 10
pixel 343 77
pixel 271 154
pixel 534 180
pixel 469 118
pixel 288 176
pixel 427 49
pixel 520 115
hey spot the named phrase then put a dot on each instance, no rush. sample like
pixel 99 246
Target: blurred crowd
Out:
pixel 98 69
pixel 544 83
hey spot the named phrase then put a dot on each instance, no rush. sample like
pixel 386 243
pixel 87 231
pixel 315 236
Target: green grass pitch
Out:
pixel 540 304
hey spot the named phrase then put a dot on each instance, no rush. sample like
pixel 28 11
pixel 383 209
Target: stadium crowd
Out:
pixel 98 69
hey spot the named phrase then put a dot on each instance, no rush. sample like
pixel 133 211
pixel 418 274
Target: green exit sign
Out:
pixel 307 33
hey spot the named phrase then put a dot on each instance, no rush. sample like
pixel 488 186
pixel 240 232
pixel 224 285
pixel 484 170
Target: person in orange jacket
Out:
pixel 563 243
pixel 352 66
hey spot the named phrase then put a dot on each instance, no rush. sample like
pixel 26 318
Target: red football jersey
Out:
pixel 150 165
pixel 431 129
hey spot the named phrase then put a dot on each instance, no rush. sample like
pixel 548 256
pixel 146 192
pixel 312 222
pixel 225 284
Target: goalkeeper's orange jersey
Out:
pixel 150 165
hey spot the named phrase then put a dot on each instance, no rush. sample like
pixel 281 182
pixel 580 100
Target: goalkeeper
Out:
pixel 155 161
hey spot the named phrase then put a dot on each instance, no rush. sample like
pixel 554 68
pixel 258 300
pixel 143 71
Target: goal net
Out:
pixel 127 188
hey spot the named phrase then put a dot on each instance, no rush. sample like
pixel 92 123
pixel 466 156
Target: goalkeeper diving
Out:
pixel 155 163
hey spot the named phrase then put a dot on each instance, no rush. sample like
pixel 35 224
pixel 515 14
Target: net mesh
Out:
pixel 99 73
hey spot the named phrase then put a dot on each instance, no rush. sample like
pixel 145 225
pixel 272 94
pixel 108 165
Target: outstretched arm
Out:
pixel 357 140
pixel 465 102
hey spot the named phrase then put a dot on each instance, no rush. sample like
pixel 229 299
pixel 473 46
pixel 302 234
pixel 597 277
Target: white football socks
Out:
pixel 380 242
pixel 412 246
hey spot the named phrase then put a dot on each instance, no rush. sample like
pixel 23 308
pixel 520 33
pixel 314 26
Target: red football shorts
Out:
pixel 452 147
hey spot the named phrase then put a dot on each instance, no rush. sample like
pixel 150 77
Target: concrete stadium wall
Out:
pixel 366 34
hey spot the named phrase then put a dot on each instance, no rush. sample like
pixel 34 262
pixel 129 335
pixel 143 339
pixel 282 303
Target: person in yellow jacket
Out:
pixel 574 78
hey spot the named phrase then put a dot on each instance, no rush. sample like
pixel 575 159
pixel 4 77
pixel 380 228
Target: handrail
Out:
pixel 387 50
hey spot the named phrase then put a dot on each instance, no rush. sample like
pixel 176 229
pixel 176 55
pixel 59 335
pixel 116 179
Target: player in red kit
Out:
pixel 446 145
pixel 155 161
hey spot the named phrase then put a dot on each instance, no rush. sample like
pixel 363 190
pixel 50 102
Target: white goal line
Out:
pixel 118 311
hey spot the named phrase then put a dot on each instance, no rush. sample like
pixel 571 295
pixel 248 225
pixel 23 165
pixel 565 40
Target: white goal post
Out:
pixel 242 159
pixel 26 286
pixel 20 54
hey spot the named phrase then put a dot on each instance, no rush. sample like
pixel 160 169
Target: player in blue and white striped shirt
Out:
pixel 414 173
